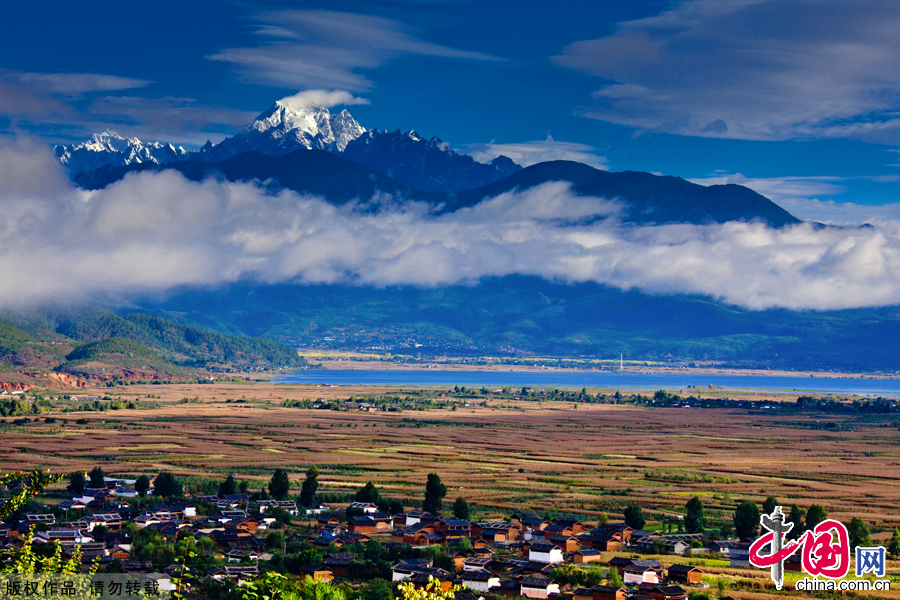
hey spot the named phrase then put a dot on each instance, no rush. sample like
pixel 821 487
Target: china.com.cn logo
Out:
pixel 825 552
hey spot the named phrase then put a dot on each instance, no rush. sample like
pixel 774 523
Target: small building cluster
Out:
pixel 519 556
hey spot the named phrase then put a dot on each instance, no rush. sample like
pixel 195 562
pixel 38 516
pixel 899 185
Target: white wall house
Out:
pixel 547 553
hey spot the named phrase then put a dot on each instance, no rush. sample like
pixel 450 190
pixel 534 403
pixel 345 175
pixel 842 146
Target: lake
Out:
pixel 613 381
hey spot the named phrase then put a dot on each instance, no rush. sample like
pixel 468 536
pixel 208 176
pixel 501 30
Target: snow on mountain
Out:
pixel 408 158
pixel 283 129
pixel 109 148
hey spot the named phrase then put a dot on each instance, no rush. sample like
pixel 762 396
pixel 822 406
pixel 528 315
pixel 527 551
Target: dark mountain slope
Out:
pixel 309 171
pixel 428 165
pixel 650 198
pixel 532 316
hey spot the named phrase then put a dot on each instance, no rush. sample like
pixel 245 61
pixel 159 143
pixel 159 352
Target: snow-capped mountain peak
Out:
pixel 284 128
pixel 110 148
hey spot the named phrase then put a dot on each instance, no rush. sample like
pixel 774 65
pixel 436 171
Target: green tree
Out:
pixel 244 487
pixel 229 487
pixel 634 516
pixel 77 481
pixel 434 494
pixel 859 533
pixel 367 493
pixel 377 589
pixel 279 485
pixel 815 515
pixel 275 541
pixel 694 521
pixel 894 545
pixel 310 485
pixel 96 476
pixel 796 516
pixel 746 519
pixel 142 484
pixel 461 508
pixel 613 578
pixel 769 505
pixel 167 486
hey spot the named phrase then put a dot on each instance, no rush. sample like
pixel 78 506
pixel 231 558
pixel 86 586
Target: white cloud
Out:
pixel 75 105
pixel 841 213
pixel 801 196
pixel 49 96
pixel 751 69
pixel 175 120
pixel 322 98
pixel 325 49
pixel 154 231
pixel 779 189
pixel 529 153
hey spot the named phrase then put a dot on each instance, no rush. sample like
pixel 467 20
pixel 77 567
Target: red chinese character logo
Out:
pixel 821 556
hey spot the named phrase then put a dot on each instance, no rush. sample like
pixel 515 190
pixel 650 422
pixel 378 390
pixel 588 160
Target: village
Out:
pixel 236 539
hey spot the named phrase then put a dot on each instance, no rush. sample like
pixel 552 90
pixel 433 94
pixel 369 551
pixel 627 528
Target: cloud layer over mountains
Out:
pixel 154 231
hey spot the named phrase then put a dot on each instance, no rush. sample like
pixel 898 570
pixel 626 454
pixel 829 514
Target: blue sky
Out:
pixel 798 99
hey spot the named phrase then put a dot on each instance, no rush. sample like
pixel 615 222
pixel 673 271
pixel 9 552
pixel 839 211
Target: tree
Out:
pixel 432 591
pixel 859 533
pixel 279 485
pixel 461 509
pixel 746 519
pixel 634 516
pixel 694 521
pixel 244 487
pixel 893 547
pixel 769 505
pixel 377 589
pixel 96 476
pixel 796 517
pixel 166 485
pixel 815 515
pixel 367 493
pixel 434 492
pixel 142 484
pixel 76 482
pixel 310 485
pixel 275 541
pixel 229 487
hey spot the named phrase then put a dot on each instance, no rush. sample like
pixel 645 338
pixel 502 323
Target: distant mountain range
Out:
pixel 407 158
pixel 529 316
pixel 310 150
pixel 332 156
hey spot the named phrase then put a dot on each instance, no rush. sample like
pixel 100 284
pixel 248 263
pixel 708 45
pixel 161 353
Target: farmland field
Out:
pixel 505 455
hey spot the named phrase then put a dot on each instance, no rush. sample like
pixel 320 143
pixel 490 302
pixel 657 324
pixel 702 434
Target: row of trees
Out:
pixel 279 486
pixel 746 520
pixel 166 484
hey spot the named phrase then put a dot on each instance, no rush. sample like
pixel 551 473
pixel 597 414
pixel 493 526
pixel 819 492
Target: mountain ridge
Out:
pixel 429 165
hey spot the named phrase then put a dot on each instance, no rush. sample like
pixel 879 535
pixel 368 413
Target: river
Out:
pixel 607 380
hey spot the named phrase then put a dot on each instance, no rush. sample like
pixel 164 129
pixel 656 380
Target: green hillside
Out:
pixel 19 349
pixel 527 315
pixel 119 356
pixel 182 345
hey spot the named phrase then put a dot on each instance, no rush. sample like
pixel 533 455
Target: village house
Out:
pixel 319 572
pixel 545 553
pixel 642 571
pixel 583 556
pixel 479 580
pixel 686 574
pixel 537 586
